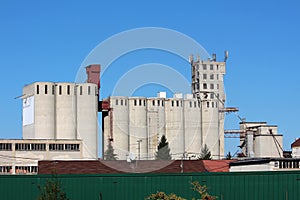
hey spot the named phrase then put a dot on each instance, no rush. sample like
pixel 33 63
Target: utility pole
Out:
pixel 139 149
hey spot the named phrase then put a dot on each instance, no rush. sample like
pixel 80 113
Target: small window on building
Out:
pixel 211 67
pixel 217 67
pixel 37 89
pixel 177 103
pixel 121 102
pixel 212 95
pixel 158 102
pixel 217 86
pixel 140 101
pixel 197 86
pixel 216 104
pixel 204 76
pixel 172 102
pixel 53 89
pixel 162 103
pixel 144 102
pixel 212 104
pixel 117 102
pixel 212 86
pixel 59 90
pixel 207 104
pixel 204 67
pixel 217 76
pixel 125 102
pixel 46 89
pixel 195 104
pixel 135 102
pixel 80 90
pixel 68 89
pixel 204 86
pixel 190 104
pixel 89 90
pixel 153 102
pixel 212 77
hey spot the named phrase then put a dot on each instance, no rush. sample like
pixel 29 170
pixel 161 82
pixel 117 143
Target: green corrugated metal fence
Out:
pixel 227 186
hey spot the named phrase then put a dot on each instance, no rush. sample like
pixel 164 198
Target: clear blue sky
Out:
pixel 48 42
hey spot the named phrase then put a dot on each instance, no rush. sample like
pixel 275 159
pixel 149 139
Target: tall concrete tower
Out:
pixel 208 88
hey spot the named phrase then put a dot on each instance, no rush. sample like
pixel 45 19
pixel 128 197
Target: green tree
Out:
pixel 163 150
pixel 109 153
pixel 228 156
pixel 52 190
pixel 205 153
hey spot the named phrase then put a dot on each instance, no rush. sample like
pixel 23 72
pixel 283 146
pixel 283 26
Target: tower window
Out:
pixel 121 102
pixel 162 103
pixel 68 89
pixel 80 90
pixel 89 90
pixel 204 76
pixel 204 86
pixel 117 102
pixel 217 76
pixel 190 104
pixel 217 86
pixel 140 102
pixel 212 95
pixel 59 90
pixel 53 87
pixel 153 102
pixel 195 104
pixel 158 102
pixel 177 103
pixel 211 86
pixel 212 104
pixel 211 76
pixel 207 104
pixel 204 67
pixel 125 102
pixel 172 103
pixel 46 89
pixel 37 89
pixel 211 67
pixel 135 102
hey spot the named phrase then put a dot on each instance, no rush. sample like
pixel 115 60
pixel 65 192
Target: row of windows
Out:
pixel 122 102
pixel 19 169
pixel 30 147
pixel 64 147
pixel 288 164
pixel 211 76
pixel 26 169
pixel 39 147
pixel 5 146
pixel 210 66
pixel 60 91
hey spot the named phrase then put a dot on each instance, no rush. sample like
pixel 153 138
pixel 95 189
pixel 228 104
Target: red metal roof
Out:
pixel 296 143
pixel 139 166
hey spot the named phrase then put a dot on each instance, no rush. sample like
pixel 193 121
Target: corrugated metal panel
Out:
pixel 231 186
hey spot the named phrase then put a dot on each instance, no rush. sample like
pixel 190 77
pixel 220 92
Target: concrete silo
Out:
pixel 87 118
pixel 138 140
pixel 65 112
pixel 39 111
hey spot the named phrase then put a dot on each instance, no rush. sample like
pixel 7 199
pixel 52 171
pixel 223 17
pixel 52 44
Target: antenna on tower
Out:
pixel 226 55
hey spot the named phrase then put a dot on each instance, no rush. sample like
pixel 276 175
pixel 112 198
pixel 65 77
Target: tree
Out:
pixel 228 156
pixel 205 153
pixel 52 190
pixel 163 150
pixel 109 153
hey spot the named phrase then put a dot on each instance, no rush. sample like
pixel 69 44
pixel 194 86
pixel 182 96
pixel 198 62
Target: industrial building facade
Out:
pixel 60 122
pixel 134 125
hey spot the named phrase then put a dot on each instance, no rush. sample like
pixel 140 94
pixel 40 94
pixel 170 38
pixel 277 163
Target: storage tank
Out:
pixel 138 140
pixel 175 127
pixel 87 118
pixel 39 111
pixel 65 104
pixel 119 126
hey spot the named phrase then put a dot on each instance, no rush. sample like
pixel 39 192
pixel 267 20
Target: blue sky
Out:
pixel 49 41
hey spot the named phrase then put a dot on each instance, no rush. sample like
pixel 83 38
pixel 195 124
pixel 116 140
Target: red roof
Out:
pixel 139 166
pixel 296 143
